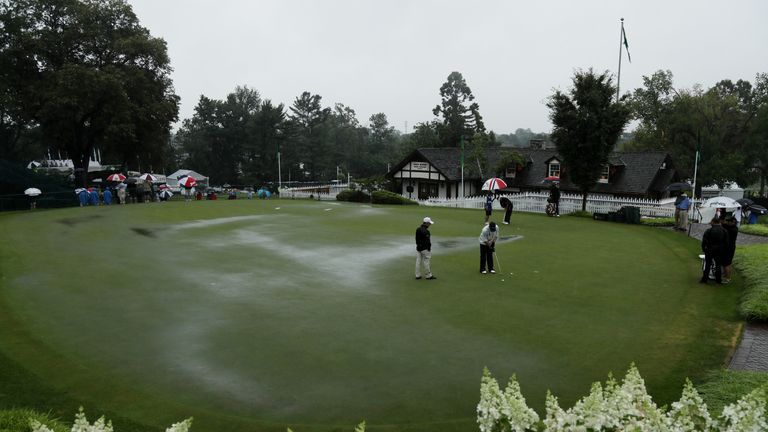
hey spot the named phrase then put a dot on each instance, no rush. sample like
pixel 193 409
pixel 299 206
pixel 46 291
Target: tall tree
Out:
pixel 308 145
pixel 88 74
pixel 716 121
pixel 266 138
pixel 460 114
pixel 587 122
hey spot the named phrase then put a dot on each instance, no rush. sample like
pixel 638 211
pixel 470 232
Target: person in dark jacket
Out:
pixel 714 244
pixel 732 227
pixel 424 249
pixel 554 197
pixel 506 203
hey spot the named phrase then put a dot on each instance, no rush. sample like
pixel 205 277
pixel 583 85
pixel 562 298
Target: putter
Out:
pixel 498 264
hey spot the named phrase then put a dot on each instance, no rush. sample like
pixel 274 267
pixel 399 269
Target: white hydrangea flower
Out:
pixel 747 414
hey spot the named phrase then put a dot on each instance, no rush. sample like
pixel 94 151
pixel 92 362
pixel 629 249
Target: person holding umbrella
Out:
pixel 681 212
pixel 488 236
pixel 488 206
pixel 554 197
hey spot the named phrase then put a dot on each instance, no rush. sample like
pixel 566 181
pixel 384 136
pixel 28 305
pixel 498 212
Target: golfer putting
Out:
pixel 424 249
pixel 488 236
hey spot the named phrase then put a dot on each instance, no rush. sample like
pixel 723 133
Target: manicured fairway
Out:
pixel 257 315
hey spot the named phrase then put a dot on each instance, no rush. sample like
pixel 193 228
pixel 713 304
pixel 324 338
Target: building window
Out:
pixel 554 168
pixel 427 190
pixel 604 174
pixel 511 172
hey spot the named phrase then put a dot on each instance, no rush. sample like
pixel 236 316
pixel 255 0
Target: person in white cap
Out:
pixel 424 249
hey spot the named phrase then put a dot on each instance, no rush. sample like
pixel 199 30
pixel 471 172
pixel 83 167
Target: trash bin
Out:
pixel 752 218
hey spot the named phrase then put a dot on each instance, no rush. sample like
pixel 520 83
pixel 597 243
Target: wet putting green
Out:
pixel 257 315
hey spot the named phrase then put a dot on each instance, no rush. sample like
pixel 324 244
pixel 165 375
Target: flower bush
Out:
pixel 617 407
pixel 101 425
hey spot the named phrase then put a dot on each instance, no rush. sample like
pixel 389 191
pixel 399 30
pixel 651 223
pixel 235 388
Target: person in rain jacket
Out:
pixel 714 244
pixel 107 196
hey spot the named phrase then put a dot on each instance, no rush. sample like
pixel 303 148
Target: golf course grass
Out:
pixel 257 315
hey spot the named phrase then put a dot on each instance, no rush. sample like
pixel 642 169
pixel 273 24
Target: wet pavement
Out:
pixel 752 352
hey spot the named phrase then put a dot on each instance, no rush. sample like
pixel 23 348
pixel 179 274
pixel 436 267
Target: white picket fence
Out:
pixel 531 202
pixel 536 202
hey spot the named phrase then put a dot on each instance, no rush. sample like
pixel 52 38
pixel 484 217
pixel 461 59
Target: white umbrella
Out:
pixel 709 207
pixel 148 177
pixel 721 202
pixel 33 192
pixel 166 194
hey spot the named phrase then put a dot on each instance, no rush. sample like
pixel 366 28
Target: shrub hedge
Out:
pixel 386 197
pixel 724 387
pixel 758 229
pixel 353 196
pixel 751 263
pixel 658 222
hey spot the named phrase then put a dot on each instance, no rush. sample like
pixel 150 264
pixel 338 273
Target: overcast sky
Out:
pixel 393 56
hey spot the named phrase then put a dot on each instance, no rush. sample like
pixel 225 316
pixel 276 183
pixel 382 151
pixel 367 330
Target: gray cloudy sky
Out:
pixel 393 56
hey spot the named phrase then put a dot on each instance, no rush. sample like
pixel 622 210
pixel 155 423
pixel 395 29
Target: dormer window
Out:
pixel 604 174
pixel 553 168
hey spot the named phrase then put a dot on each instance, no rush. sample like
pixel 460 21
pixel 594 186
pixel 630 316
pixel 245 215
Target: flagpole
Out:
pixel 462 167
pixel 279 169
pixel 618 79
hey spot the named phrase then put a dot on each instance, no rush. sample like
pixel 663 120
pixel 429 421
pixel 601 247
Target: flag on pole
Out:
pixel 626 44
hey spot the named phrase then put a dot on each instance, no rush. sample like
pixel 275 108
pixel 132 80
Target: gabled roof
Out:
pixel 633 173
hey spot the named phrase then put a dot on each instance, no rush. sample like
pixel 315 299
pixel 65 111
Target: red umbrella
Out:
pixel 148 177
pixel 187 181
pixel 551 179
pixel 494 183
pixel 117 177
pixel 163 187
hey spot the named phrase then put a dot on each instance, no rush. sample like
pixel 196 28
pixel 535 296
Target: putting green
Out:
pixel 257 315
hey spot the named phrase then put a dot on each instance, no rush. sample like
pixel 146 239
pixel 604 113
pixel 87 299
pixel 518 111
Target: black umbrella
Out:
pixel 680 186
pixel 758 209
pixel 745 202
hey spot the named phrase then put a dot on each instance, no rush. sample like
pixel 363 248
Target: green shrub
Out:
pixel 759 229
pixel 353 196
pixel 724 387
pixel 385 197
pixel 18 420
pixel 658 222
pixel 751 262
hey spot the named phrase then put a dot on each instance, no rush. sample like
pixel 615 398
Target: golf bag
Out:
pixel 550 209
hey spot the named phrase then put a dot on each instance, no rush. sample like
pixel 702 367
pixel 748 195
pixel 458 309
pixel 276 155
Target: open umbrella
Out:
pixel 79 190
pixel 187 181
pixel 33 192
pixel 165 194
pixel 551 179
pixel 163 187
pixel 758 209
pixel 745 202
pixel 493 184
pixel 725 202
pixel 116 177
pixel 679 186
pixel 148 177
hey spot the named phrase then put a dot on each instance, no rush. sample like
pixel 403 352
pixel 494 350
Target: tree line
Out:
pixel 78 75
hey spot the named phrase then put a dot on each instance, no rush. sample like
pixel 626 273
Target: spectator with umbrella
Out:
pixel 32 193
pixel 554 198
pixel 188 183
pixel 491 185
pixel 681 212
